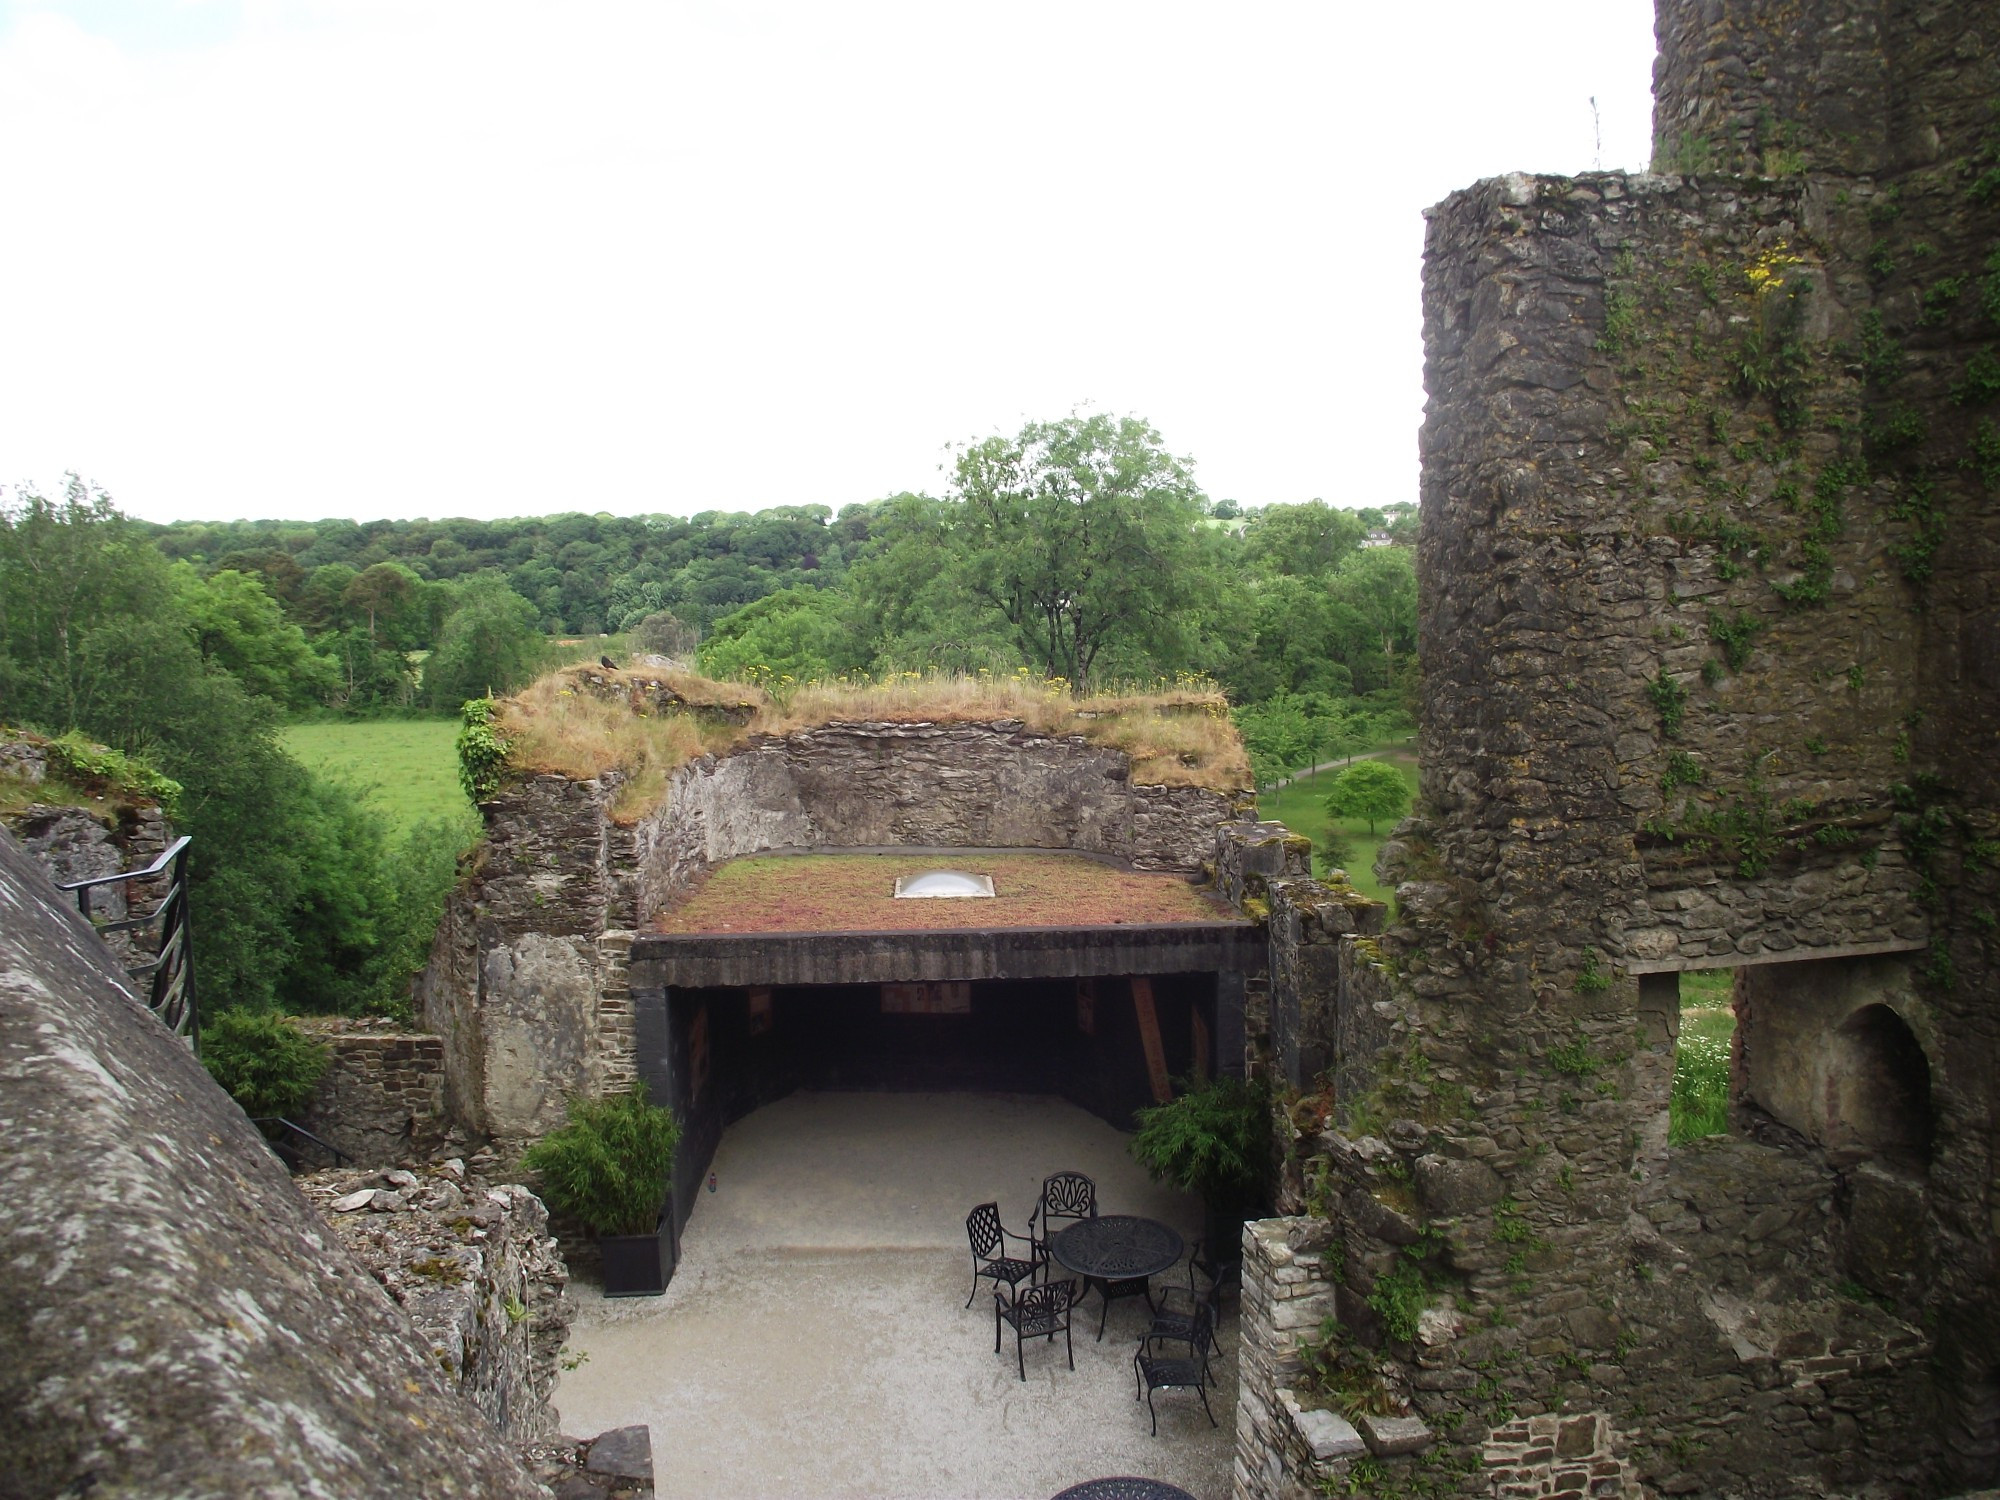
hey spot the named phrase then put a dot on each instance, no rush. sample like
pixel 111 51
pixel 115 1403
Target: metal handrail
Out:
pixel 340 1157
pixel 170 992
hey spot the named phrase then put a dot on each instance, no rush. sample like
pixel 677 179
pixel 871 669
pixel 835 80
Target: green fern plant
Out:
pixel 1213 1139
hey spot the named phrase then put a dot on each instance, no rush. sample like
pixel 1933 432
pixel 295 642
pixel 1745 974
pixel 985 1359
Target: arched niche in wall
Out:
pixel 1878 1087
pixel 1825 1048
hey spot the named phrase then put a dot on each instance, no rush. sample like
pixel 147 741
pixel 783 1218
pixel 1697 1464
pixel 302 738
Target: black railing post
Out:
pixel 169 974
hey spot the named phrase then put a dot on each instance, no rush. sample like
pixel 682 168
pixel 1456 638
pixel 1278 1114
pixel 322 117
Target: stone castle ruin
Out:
pixel 554 972
pixel 1708 635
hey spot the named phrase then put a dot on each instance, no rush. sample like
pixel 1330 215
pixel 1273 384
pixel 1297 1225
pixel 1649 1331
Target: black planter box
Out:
pixel 638 1265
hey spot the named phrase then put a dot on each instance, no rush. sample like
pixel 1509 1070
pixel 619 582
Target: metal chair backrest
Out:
pixel 1068 1195
pixel 982 1227
pixel 1042 1305
pixel 1202 1336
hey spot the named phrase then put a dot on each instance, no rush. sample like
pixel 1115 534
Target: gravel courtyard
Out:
pixel 815 1341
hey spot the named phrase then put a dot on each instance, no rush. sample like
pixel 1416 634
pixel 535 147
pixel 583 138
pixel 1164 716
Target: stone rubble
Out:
pixel 474 1268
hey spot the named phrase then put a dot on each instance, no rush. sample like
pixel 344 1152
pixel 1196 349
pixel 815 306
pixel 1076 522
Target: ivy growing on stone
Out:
pixel 482 749
pixel 1669 701
pixel 1733 633
pixel 1981 382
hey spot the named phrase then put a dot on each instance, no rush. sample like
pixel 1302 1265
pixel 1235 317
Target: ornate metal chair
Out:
pixel 1156 1371
pixel 989 1251
pixel 1175 1316
pixel 1066 1198
pixel 1036 1312
pixel 1220 1273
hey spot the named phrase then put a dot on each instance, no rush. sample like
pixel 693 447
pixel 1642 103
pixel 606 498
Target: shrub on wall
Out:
pixel 266 1063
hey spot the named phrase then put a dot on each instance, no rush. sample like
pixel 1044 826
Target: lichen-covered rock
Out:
pixel 178 1320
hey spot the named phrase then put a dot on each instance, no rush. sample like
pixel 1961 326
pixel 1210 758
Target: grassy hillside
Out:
pixel 407 769
pixel 1299 805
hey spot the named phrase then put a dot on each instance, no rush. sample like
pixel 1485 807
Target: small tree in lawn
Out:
pixel 1372 790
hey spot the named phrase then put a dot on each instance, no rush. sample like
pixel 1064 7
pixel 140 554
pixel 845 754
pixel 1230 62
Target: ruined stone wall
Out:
pixel 381 1099
pixel 474 1269
pixel 882 785
pixel 525 978
pixel 527 982
pixel 1707 558
pixel 81 843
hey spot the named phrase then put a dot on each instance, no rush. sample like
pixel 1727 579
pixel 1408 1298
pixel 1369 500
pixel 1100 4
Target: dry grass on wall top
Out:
pixel 554 726
pixel 582 721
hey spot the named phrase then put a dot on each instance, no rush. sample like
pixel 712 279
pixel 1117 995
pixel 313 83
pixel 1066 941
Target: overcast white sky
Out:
pixel 301 258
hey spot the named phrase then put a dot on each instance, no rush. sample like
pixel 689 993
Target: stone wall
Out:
pixel 179 1321
pixel 882 785
pixel 476 1272
pixel 1758 87
pixel 81 843
pixel 1707 560
pixel 381 1099
pixel 528 980
pixel 525 981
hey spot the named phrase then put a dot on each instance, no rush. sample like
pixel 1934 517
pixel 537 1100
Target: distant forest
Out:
pixel 1080 549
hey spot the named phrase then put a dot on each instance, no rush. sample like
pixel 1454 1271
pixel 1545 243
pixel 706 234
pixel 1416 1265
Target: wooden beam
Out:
pixel 1149 1037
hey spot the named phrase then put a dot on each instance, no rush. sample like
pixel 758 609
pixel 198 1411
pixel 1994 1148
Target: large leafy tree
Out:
pixel 1379 584
pixel 1372 790
pixel 490 644
pixel 1081 533
pixel 795 633
pixel 238 625
pixel 1301 541
pixel 910 602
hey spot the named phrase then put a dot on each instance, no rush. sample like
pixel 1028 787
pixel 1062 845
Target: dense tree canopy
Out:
pixel 1079 548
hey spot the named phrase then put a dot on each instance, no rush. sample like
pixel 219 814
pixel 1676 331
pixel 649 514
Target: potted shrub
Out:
pixel 608 1168
pixel 1214 1139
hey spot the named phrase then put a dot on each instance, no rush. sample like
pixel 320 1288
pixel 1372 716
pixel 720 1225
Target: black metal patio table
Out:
pixel 1124 1487
pixel 1121 1253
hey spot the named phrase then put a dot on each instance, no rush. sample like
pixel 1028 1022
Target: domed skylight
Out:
pixel 944 883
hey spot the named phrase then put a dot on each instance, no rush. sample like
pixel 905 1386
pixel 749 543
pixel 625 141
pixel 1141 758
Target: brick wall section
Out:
pixel 381 1099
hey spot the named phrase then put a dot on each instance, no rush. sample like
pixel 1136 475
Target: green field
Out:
pixel 406 769
pixel 1299 805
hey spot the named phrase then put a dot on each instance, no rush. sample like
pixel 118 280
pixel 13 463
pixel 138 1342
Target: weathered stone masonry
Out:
pixel 528 980
pixel 1710 654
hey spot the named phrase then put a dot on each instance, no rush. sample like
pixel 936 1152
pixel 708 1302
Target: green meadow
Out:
pixel 405 769
pixel 1300 806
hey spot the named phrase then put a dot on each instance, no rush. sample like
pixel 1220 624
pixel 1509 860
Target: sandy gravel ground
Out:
pixel 815 1340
